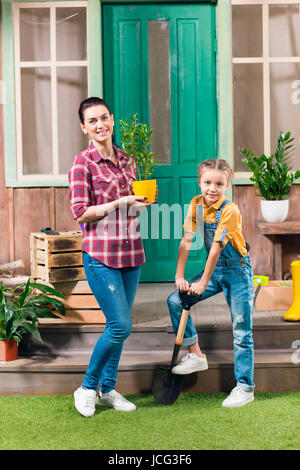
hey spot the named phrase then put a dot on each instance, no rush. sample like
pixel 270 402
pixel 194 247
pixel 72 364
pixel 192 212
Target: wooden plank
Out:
pixel 65 244
pixel 63 216
pixel 83 316
pixel 59 260
pixel 277 265
pixel 73 287
pixel 59 275
pixel 71 274
pixel 282 228
pixel 31 213
pixel 65 241
pixel 69 287
pixel 81 301
pixel 11 225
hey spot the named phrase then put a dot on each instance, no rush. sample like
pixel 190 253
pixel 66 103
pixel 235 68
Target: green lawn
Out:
pixel 195 421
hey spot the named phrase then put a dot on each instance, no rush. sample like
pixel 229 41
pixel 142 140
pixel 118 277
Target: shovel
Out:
pixel 167 386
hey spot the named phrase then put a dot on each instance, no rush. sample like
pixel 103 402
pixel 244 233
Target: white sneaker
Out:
pixel 190 363
pixel 85 400
pixel 115 400
pixel 238 397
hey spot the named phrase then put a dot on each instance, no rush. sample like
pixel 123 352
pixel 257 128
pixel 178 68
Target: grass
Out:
pixel 195 421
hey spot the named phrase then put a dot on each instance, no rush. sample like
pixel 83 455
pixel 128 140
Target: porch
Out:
pixel 58 366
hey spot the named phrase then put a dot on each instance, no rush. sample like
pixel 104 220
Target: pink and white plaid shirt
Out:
pixel 114 240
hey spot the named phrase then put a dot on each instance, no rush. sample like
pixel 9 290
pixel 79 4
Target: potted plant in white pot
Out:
pixel 20 309
pixel 136 139
pixel 273 177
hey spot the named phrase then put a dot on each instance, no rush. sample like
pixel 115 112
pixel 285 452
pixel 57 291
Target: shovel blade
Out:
pixel 166 386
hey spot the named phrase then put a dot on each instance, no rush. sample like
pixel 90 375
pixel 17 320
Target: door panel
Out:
pixel 159 62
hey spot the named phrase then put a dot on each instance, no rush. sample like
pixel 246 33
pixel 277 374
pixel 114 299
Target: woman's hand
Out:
pixel 181 284
pixel 131 200
pixel 196 288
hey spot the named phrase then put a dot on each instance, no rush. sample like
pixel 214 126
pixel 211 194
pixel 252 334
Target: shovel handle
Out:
pixel 181 328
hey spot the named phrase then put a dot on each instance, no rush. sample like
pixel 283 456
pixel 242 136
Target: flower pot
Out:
pixel 8 350
pixel 274 211
pixel 145 188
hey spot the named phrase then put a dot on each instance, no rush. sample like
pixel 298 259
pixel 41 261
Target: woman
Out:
pixel 102 199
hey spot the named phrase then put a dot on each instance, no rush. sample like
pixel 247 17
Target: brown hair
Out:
pixel 87 103
pixel 215 164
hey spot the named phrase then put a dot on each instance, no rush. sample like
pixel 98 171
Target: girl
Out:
pixel 102 199
pixel 228 268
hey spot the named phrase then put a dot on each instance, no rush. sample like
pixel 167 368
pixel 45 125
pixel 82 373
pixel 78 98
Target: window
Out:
pixel 266 75
pixel 51 79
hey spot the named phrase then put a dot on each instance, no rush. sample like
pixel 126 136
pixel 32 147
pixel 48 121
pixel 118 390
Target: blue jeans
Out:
pixel 114 290
pixel 235 279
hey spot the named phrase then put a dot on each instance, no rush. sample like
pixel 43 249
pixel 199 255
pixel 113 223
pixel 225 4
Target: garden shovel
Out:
pixel 166 385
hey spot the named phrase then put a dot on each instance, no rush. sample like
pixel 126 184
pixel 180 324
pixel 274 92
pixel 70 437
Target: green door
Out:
pixel 160 62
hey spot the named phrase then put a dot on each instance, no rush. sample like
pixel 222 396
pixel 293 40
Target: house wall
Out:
pixel 26 210
pixel 4 192
pixel 261 247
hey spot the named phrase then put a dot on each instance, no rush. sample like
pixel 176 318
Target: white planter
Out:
pixel 274 211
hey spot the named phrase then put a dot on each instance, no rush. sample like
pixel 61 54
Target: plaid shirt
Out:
pixel 114 240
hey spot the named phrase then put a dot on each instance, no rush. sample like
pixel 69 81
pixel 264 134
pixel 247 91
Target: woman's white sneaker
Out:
pixel 85 400
pixel 191 363
pixel 115 400
pixel 238 397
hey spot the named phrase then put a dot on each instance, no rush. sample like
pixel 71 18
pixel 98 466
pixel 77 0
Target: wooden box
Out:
pixel 277 295
pixel 81 305
pixel 57 258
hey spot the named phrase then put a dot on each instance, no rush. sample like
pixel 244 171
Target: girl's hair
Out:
pixel 87 103
pixel 215 164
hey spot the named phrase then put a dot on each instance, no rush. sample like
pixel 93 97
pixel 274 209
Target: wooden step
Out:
pixel 274 371
pixel 82 338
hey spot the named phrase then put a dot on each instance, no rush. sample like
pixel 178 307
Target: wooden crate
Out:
pixel 56 258
pixel 81 305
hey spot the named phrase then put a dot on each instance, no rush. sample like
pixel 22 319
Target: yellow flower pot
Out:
pixel 146 188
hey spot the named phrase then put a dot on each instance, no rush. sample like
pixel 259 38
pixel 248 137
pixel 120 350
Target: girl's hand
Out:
pixel 181 284
pixel 197 288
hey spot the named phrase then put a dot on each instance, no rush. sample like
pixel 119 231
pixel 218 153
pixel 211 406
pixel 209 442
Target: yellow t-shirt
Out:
pixel 230 225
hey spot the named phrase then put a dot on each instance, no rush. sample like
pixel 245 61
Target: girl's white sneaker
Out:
pixel 115 400
pixel 238 397
pixel 85 400
pixel 190 363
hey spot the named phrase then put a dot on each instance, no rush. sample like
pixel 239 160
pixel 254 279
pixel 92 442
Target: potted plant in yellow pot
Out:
pixel 20 309
pixel 273 177
pixel 136 139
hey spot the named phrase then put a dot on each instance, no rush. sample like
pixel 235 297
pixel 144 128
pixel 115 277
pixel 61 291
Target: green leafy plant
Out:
pixel 273 175
pixel 21 306
pixel 136 138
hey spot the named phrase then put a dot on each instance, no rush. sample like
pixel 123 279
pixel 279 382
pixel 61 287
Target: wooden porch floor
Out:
pixel 150 308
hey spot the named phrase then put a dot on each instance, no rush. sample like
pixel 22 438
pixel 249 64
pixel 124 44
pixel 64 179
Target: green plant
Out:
pixel 21 306
pixel 272 175
pixel 136 138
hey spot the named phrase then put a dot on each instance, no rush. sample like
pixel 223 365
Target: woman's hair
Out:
pixel 215 164
pixel 87 103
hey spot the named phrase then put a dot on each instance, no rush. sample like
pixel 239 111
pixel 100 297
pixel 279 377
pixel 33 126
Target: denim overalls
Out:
pixel 233 275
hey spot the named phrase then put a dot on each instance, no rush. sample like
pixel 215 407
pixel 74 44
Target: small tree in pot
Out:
pixel 273 177
pixel 20 309
pixel 136 139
